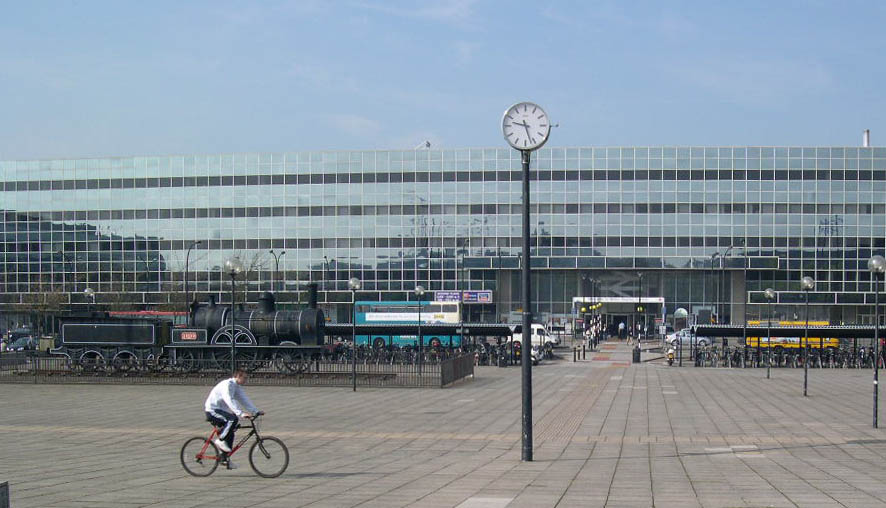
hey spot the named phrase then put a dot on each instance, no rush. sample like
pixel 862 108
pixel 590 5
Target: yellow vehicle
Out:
pixel 792 342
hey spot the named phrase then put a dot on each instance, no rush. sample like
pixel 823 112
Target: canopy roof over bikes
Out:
pixel 466 329
pixel 831 331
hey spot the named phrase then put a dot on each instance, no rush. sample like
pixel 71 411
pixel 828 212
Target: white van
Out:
pixel 539 336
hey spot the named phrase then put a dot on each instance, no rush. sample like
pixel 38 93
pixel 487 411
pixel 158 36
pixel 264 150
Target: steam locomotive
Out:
pixel 262 337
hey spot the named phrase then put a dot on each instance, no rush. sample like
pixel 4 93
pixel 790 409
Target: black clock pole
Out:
pixel 526 346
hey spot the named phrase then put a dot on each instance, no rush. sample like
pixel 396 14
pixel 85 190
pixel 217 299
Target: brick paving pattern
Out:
pixel 607 433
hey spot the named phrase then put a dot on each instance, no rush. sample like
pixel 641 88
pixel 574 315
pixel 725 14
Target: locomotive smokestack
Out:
pixel 266 302
pixel 312 295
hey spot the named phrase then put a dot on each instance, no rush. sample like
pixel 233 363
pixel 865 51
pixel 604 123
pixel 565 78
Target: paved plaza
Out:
pixel 607 433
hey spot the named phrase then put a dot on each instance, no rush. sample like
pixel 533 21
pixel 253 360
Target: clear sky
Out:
pixel 89 78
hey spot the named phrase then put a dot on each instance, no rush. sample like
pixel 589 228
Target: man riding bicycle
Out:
pixel 224 408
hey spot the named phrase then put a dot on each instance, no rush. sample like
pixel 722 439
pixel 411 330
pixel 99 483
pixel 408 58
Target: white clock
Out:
pixel 525 126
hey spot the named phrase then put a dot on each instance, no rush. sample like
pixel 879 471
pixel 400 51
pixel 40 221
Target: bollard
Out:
pixel 4 495
pixel 574 354
pixel 636 355
pixel 583 356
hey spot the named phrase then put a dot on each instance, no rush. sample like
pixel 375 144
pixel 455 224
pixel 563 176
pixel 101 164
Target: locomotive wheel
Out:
pixel 291 361
pixel 185 361
pixel 156 363
pixel 125 362
pixel 246 358
pixel 92 361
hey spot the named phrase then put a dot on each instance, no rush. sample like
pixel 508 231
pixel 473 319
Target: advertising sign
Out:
pixel 478 296
pixel 446 296
pixel 482 296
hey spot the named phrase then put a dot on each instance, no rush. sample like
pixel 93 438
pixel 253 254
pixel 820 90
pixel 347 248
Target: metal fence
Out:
pixel 370 372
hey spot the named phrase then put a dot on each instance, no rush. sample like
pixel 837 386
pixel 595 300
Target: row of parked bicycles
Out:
pixel 822 358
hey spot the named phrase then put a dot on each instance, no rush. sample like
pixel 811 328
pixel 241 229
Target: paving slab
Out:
pixel 606 433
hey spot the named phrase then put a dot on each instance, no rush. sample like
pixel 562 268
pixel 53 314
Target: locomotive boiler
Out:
pixel 264 325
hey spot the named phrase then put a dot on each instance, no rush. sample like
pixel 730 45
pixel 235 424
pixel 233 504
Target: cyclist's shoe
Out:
pixel 231 464
pixel 221 445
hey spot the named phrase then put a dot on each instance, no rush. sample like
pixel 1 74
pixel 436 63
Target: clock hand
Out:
pixel 526 126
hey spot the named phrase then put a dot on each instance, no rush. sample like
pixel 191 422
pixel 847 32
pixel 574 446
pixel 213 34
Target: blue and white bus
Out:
pixel 376 313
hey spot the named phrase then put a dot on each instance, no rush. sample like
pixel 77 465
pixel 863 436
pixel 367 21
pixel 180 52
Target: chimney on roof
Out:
pixel 866 138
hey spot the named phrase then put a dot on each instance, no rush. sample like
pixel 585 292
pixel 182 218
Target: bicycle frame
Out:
pixel 253 431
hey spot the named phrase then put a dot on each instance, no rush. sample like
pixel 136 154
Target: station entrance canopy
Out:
pixel 617 299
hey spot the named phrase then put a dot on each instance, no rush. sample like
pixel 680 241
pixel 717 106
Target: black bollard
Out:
pixel 574 354
pixel 583 355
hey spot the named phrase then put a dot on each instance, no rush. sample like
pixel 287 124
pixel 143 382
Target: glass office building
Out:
pixel 709 228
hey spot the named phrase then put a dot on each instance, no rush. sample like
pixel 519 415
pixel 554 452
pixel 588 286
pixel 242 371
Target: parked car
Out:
pixel 556 333
pixel 23 344
pixel 686 338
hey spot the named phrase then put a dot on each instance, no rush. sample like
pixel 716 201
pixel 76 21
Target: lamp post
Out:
pixel 808 284
pixel 714 257
pixel 277 257
pixel 325 271
pixel 89 293
pixel 744 300
pixel 187 260
pixel 876 265
pixel 354 285
pixel 639 307
pixel 234 267
pixel 769 293
pixel 420 293
pixel 65 260
pixel 680 313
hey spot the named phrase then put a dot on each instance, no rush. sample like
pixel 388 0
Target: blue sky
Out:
pixel 90 78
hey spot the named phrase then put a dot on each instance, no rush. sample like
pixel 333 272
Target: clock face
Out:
pixel 525 126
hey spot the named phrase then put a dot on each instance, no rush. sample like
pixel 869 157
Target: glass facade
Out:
pixel 703 224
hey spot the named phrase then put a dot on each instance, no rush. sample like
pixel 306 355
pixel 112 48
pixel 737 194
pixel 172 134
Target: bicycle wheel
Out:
pixel 196 460
pixel 269 457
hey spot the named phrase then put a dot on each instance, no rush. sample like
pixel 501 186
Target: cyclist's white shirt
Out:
pixel 229 396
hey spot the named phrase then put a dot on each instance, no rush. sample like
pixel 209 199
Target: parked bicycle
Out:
pixel 268 456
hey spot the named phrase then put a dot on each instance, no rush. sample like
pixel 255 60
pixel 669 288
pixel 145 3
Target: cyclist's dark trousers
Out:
pixel 226 423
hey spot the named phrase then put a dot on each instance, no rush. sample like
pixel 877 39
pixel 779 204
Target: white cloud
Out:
pixel 464 52
pixel 415 139
pixel 743 79
pixel 355 125
pixel 455 12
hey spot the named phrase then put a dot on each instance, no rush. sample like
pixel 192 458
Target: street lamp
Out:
pixel 187 260
pixel 325 271
pixel 639 307
pixel 354 285
pixel 277 257
pixel 89 293
pixel 876 265
pixel 808 284
pixel 714 257
pixel 65 260
pixel 234 267
pixel 769 293
pixel 420 293
pixel 680 313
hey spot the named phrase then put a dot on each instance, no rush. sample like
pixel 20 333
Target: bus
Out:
pixel 792 342
pixel 377 313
